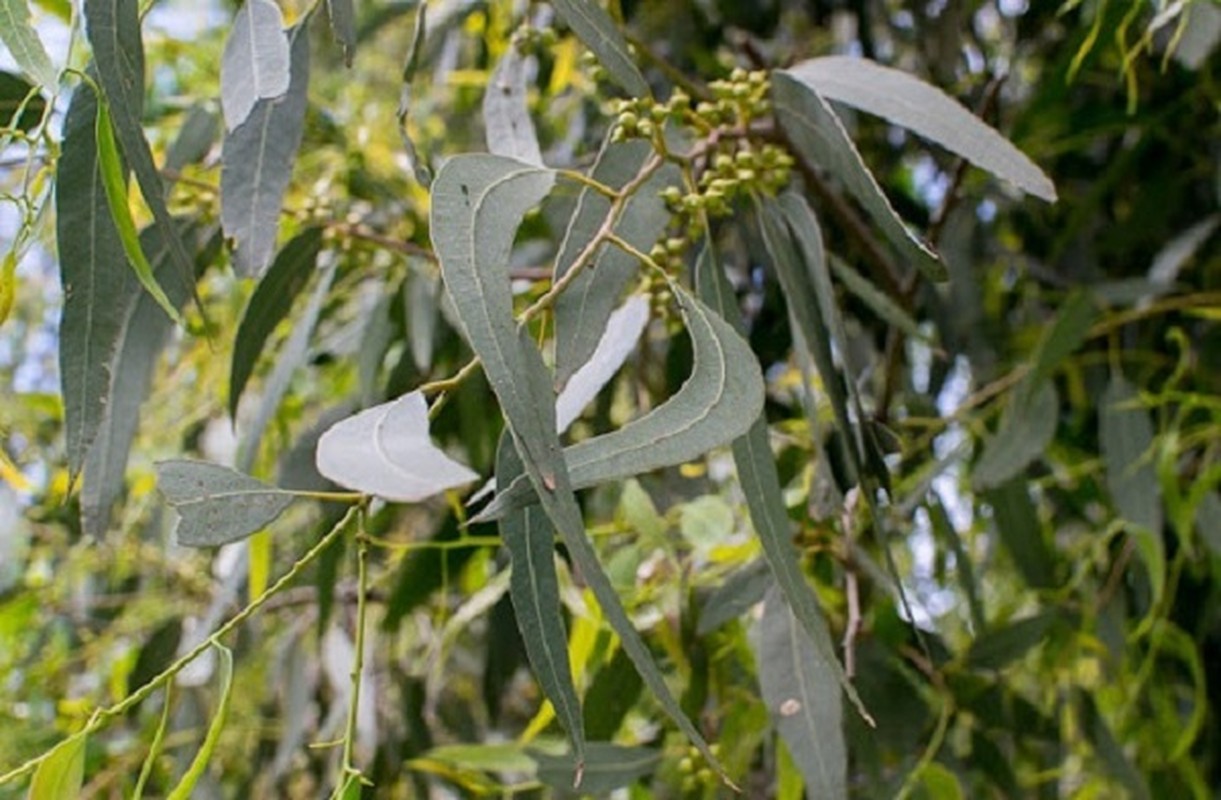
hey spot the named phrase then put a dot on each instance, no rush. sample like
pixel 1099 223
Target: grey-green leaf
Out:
pixel 257 165
pixel 740 591
pixel 601 34
pixel 272 300
pixel 255 64
pixel 909 102
pixel 1061 340
pixel 1017 524
pixel 506 116
pixel 343 23
pixel 1126 437
pixel 878 301
pixel 23 43
pixel 803 699
pixel 623 330
pixel 999 647
pixel 820 138
pixel 217 505
pixel 607 767
pixel 535 591
pixel 94 275
pixel 195 138
pixel 1025 432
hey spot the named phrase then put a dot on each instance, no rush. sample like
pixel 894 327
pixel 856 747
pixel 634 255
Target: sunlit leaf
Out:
pixel 803 699
pixel 607 767
pixel 217 505
pixel 909 102
pixel 257 165
pixel 23 43
pixel 255 64
pixel 603 36
pixel 60 776
pixel 1025 432
pixel 270 303
pixel 506 116
pixel 386 451
pixel 186 786
pixel 343 23
pixel 618 341
pixel 820 138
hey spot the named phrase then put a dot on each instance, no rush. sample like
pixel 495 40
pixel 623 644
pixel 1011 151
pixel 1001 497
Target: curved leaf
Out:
pixel 509 129
pixel 257 165
pixel 601 34
pixel 200 763
pixel 911 103
pixel 217 505
pixel 385 451
pixel 802 698
pixel 269 305
pixel 623 330
pixel 819 137
pixel 23 43
pixel 255 64
pixel 60 776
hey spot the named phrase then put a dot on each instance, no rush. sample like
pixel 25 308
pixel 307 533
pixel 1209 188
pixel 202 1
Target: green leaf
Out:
pixel 21 104
pixel 1025 432
pixel 343 23
pixel 613 693
pixel 1208 522
pixel 255 64
pixel 607 767
pixel 535 590
pixel 23 43
pixel 113 28
pixel 506 117
pixel 999 647
pixel 478 202
pixel 618 341
pixel 944 530
pixel 217 505
pixel 820 138
pixel 1061 340
pixel 601 34
pixel 1017 524
pixel 909 102
pixel 60 776
pixel 114 181
pixel 257 166
pixel 269 305
pixel 1110 751
pixel 733 598
pixel 878 301
pixel 386 451
pixel 760 483
pixel 582 311
pixel 93 273
pixel 195 138
pixel 1126 439
pixel 200 763
pixel 798 686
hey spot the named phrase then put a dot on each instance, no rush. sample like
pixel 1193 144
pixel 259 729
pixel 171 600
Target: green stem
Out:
pixel 348 769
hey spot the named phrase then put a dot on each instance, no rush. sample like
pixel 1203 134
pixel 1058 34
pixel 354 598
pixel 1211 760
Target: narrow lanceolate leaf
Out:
pixel 1025 432
pixel 257 165
pixel 21 104
pixel 798 686
pixel 535 590
pixel 716 404
pixel 386 451
pixel 144 332
pixel 506 116
pixel 820 138
pixel 623 330
pixel 760 482
pixel 478 203
pixel 23 43
pixel 255 64
pixel 607 767
pixel 195 138
pixel 601 34
pixel 581 312
pixel 878 301
pixel 1061 340
pixel 217 505
pixel 269 305
pixel 93 271
pixel 343 23
pixel 1126 437
pixel 114 181
pixel 1017 523
pixel 60 776
pixel 113 27
pixel 740 591
pixel 186 786
pixel 911 103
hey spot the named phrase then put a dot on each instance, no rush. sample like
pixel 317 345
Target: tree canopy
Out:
pixel 431 399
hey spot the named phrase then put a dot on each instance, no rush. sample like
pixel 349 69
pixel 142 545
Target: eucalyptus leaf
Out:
pixel 1060 340
pixel 186 785
pixel 878 301
pixel 909 102
pixel 820 138
pixel 1126 438
pixel 195 138
pixel 21 105
pixel 257 166
pixel 607 767
pixel 386 451
pixel 601 34
pixel 269 305
pixel 255 63
pixel 1025 432
pixel 60 775
pixel 1002 646
pixel 623 330
pixel 740 591
pixel 23 43
pixel 798 686
pixel 506 116
pixel 1017 523
pixel 343 23
pixel 217 505
pixel 1109 750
